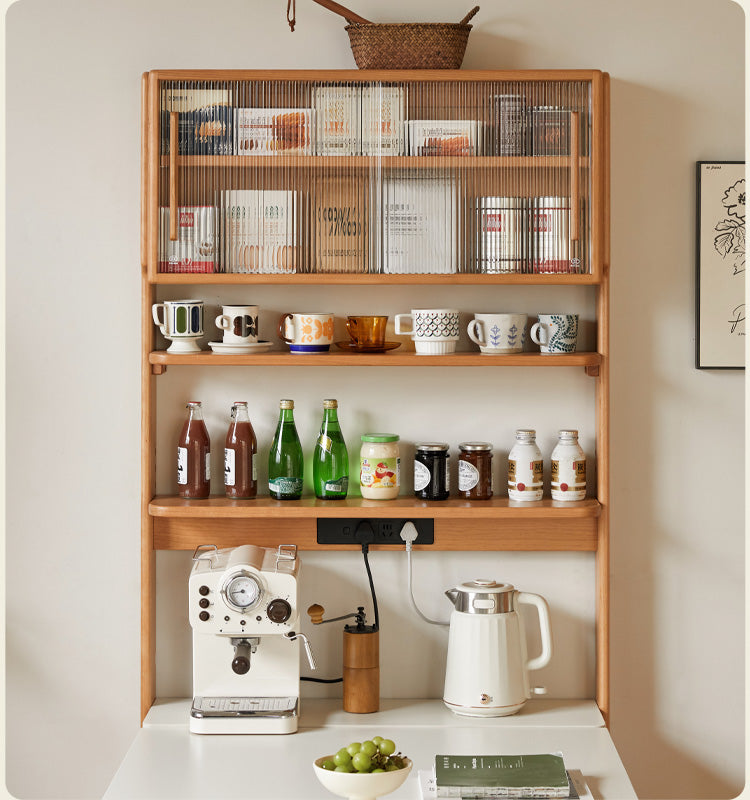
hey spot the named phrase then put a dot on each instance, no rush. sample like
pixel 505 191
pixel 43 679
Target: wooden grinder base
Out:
pixel 361 672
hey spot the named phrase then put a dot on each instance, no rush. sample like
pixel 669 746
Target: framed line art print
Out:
pixel 720 267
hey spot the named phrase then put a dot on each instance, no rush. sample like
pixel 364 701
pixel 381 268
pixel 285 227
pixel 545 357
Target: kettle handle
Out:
pixel 544 628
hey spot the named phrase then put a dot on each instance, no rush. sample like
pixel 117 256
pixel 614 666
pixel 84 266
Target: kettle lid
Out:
pixel 484 585
pixel 482 596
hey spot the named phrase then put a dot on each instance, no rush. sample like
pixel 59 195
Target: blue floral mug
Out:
pixel 556 333
pixel 497 334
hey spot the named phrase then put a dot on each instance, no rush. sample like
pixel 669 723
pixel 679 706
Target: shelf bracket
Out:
pixel 592 370
pixel 158 369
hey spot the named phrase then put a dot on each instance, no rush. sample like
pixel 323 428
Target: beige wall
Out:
pixel 73 82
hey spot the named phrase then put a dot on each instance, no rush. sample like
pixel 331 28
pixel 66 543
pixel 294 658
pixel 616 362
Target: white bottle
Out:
pixel 568 468
pixel 525 467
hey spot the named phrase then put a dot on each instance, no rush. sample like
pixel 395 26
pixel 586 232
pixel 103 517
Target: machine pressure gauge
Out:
pixel 241 591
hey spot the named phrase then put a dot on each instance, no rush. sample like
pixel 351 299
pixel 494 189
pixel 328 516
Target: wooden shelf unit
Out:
pixel 171 523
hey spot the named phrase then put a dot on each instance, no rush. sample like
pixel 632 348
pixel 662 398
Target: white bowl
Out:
pixel 361 786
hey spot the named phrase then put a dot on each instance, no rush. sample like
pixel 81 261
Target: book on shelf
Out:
pixel 383 116
pixel 204 121
pixel 445 137
pixel 578 789
pixel 194 250
pixel 537 775
pixel 273 131
pixel 259 228
pixel 419 225
pixel 340 226
pixel 337 114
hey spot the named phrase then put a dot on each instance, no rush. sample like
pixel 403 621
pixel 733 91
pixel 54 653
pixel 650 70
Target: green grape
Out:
pixel 353 748
pixel 361 762
pixel 344 768
pixel 387 747
pixel 391 767
pixel 377 769
pixel 342 758
pixel 329 763
pixel 377 740
pixel 369 748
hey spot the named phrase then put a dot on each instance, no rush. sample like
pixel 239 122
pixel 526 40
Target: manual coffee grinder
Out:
pixel 243 611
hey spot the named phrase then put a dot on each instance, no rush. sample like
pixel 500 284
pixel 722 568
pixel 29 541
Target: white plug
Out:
pixel 409 533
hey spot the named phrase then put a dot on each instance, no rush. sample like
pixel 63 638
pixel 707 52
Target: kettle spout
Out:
pixel 452 595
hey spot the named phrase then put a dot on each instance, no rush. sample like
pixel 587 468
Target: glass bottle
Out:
pixel 431 471
pixel 194 455
pixel 475 470
pixel 285 464
pixel 330 459
pixel 568 468
pixel 240 450
pixel 525 468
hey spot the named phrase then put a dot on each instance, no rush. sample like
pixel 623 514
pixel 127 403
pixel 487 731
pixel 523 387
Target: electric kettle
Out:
pixel 487 670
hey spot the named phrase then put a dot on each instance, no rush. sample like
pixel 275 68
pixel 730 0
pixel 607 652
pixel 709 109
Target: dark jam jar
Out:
pixel 475 470
pixel 431 471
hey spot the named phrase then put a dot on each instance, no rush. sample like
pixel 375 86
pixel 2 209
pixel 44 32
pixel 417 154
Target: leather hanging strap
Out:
pixel 291 13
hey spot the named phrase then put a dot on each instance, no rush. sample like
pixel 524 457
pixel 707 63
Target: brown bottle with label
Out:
pixel 194 456
pixel 240 449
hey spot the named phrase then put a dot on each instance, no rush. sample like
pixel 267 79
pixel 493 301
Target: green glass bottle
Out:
pixel 285 464
pixel 330 459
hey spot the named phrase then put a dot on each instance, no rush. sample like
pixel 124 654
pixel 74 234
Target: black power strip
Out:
pixel 334 530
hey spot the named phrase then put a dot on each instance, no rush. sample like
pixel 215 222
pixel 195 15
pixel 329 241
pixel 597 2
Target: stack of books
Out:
pixel 539 775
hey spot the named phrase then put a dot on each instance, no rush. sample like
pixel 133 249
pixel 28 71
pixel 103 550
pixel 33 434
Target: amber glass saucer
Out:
pixel 353 347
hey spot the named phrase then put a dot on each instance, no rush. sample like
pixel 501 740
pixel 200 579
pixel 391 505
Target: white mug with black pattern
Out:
pixel 434 330
pixel 239 323
pixel 555 333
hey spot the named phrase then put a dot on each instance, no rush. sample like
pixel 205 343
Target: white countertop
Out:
pixel 166 761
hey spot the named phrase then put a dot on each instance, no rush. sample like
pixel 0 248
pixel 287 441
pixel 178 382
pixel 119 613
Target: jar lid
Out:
pixel 432 447
pixel 330 404
pixel 379 437
pixel 475 446
pixel 525 433
pixel 569 433
pixel 193 403
pixel 240 403
pixel 286 403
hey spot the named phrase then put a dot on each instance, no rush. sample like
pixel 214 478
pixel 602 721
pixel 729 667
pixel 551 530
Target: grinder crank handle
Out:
pixel 291 635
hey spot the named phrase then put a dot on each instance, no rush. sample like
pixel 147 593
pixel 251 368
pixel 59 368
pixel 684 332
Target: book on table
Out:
pixel 537 775
pixel 578 788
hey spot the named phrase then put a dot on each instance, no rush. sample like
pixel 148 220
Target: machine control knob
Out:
pixel 203 602
pixel 279 610
pixel 203 616
pixel 204 590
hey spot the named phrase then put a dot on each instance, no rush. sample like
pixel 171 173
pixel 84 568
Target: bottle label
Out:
pixel 568 479
pixel 421 476
pixel 468 476
pixel 208 465
pixel 339 486
pixel 255 468
pixel 285 486
pixel 525 479
pixel 325 442
pixel 182 465
pixel 229 466
pixel 380 473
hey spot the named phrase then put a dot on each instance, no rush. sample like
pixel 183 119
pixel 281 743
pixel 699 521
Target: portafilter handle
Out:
pixel 291 635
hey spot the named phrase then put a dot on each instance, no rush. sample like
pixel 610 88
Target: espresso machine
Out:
pixel 243 611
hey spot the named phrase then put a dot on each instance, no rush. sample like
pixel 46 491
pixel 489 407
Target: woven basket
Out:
pixel 405 45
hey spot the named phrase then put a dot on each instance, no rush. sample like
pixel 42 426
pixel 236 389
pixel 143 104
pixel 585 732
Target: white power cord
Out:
pixel 409 533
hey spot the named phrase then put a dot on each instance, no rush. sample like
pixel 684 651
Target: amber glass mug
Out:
pixel 367 333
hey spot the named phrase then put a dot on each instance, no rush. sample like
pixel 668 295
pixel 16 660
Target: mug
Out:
pixel 556 333
pixel 367 333
pixel 498 333
pixel 239 323
pixel 433 330
pixel 181 322
pixel 306 332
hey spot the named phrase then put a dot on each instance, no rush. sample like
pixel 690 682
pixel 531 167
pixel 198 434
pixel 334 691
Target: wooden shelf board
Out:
pixel 217 507
pixel 359 278
pixel 339 358
pixel 376 162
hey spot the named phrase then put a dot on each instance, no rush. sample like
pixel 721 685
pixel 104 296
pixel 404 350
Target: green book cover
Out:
pixel 542 771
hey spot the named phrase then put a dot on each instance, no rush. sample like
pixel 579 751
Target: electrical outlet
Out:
pixel 334 530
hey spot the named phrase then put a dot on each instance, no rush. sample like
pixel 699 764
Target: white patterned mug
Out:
pixel 306 332
pixel 433 330
pixel 556 333
pixel 498 333
pixel 181 323
pixel 239 323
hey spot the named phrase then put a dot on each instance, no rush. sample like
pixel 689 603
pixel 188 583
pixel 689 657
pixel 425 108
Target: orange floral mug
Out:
pixel 306 332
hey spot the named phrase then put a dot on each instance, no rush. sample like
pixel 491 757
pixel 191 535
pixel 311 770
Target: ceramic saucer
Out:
pixel 355 348
pixel 229 349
